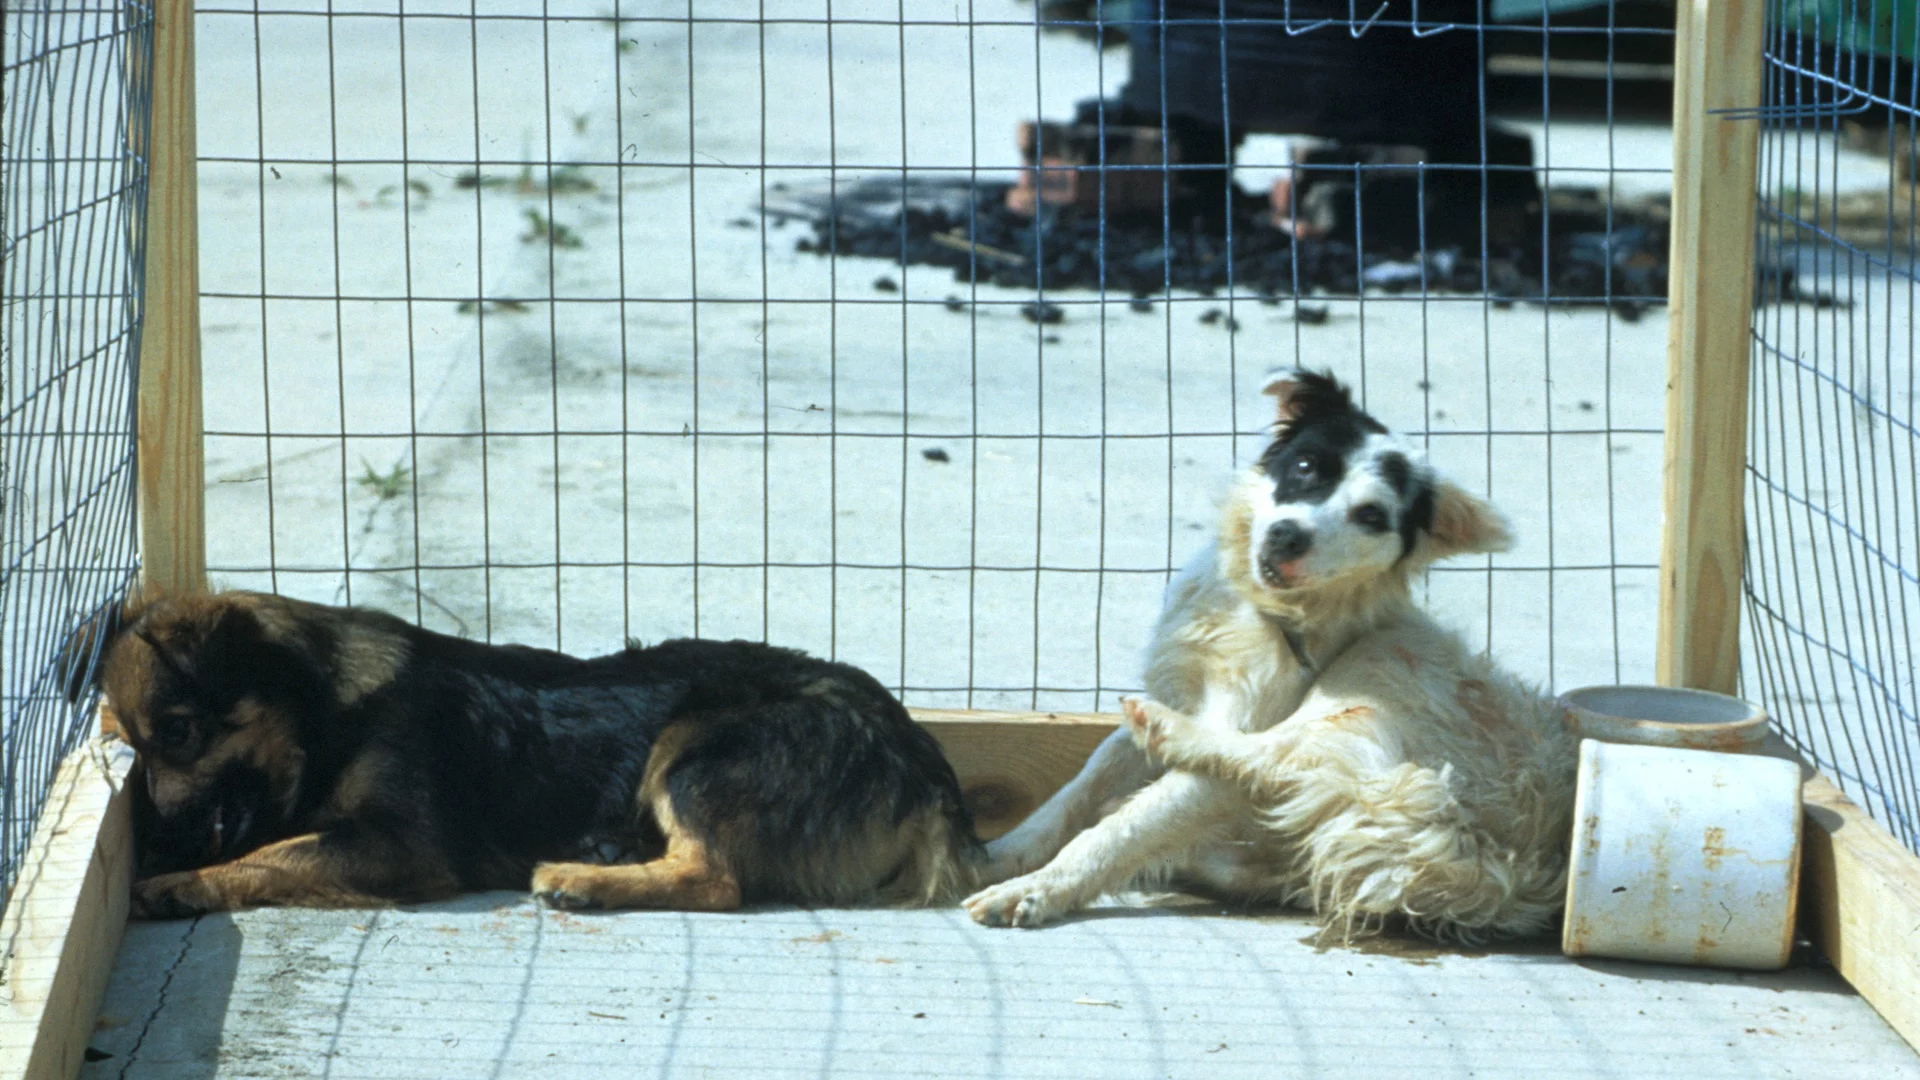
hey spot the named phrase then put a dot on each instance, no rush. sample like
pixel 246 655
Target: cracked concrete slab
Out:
pixel 491 986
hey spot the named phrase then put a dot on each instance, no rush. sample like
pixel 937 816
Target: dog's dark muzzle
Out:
pixel 221 825
pixel 1285 543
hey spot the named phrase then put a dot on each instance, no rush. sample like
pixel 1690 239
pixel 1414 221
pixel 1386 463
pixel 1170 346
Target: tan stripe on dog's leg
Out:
pixel 686 878
pixel 691 876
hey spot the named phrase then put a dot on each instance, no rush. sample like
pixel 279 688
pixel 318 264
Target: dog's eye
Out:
pixel 1304 468
pixel 1369 517
pixel 172 730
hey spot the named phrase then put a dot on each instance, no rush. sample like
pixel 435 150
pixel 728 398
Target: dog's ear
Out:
pixel 81 659
pixel 1464 524
pixel 1300 393
pixel 203 641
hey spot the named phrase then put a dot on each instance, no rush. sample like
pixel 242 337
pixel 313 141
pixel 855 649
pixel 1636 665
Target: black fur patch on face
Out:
pixel 1308 458
pixel 1397 471
pixel 1417 518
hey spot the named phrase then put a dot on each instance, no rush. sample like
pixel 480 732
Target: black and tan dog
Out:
pixel 300 754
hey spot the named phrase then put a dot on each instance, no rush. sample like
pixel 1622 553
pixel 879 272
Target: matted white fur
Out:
pixel 1396 776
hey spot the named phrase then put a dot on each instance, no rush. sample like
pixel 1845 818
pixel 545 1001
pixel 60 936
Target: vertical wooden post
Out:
pixel 1710 307
pixel 172 477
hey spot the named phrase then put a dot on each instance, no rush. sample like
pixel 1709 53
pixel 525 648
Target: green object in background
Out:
pixel 1881 27
pixel 1529 10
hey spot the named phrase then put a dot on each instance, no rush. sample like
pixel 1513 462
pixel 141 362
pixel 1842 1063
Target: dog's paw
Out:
pixel 563 886
pixel 1153 725
pixel 172 896
pixel 1023 902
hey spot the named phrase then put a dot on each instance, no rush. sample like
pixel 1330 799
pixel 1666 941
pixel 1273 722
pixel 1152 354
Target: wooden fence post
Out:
pixel 1717 65
pixel 172 476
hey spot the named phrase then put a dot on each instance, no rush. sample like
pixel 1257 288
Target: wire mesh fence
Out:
pixel 918 335
pixel 1834 494
pixel 72 201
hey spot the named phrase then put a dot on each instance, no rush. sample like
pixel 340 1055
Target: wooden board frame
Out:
pixel 62 928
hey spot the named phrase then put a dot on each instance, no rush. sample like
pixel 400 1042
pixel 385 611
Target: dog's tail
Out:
pixel 944 859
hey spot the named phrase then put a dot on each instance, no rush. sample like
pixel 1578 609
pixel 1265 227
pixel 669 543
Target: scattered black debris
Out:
pixel 934 453
pixel 565 180
pixel 1311 314
pixel 1051 339
pixel 1144 307
pixel 1043 313
pixel 1270 301
pixel 741 223
pixel 1597 252
pixel 1233 325
pixel 954 303
pixel 491 307
pixel 1586 406
pixel 1424 384
pixel 1211 316
pixel 886 284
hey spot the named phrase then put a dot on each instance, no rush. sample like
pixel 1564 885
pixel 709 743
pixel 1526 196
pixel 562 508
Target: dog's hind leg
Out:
pixel 1116 769
pixel 1160 825
pixel 689 877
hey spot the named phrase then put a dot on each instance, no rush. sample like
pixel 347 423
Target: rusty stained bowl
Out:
pixel 1683 856
pixel 1664 716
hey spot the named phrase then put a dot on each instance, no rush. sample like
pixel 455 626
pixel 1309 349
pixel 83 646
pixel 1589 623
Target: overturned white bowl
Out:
pixel 1664 716
pixel 1680 855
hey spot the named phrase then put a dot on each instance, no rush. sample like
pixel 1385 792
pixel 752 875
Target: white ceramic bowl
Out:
pixel 1683 856
pixel 1664 716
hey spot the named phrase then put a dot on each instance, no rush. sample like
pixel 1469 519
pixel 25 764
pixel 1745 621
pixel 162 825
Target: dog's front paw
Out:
pixel 1153 725
pixel 172 896
pixel 564 886
pixel 1025 902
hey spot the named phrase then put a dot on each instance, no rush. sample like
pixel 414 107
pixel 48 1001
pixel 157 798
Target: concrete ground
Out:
pixel 491 986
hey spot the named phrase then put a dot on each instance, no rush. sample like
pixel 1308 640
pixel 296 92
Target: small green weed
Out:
pixel 384 486
pixel 553 232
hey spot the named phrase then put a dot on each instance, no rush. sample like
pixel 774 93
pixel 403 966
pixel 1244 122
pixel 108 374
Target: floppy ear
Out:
pixel 1464 524
pixel 81 658
pixel 1298 391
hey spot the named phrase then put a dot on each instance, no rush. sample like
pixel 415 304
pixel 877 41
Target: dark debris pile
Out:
pixel 1595 255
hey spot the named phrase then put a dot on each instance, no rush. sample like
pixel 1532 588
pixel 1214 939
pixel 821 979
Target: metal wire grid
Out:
pixel 1834 510
pixel 73 203
pixel 496 340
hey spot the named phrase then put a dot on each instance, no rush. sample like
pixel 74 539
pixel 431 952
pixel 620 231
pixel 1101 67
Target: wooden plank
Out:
pixel 172 467
pixel 1009 762
pixel 1860 903
pixel 1710 302
pixel 62 928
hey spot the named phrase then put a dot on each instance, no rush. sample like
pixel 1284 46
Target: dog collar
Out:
pixel 1299 646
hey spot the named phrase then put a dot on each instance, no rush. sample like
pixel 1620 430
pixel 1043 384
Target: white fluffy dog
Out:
pixel 1314 737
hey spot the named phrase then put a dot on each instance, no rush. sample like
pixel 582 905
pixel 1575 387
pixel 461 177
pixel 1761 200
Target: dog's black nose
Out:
pixel 1287 541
